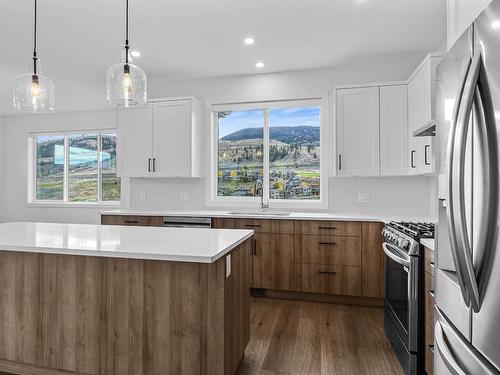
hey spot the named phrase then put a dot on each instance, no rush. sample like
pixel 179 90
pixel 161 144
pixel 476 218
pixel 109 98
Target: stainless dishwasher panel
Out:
pixel 187 222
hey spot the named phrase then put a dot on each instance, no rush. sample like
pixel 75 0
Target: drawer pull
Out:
pixel 327 272
pixel 327 243
pixel 330 228
pixel 252 225
pixel 431 293
pixel 431 348
pixel 431 264
pixel 131 221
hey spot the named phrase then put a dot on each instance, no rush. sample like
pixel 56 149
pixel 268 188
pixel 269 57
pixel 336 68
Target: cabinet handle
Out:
pixel 327 243
pixel 412 158
pixel 327 272
pixel 431 348
pixel 340 162
pixel 431 293
pixel 252 225
pixel 426 160
pixel 431 264
pixel 131 221
pixel 330 228
pixel 149 165
pixel 154 164
pixel 254 250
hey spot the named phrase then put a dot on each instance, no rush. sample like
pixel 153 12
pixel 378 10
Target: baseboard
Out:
pixel 324 298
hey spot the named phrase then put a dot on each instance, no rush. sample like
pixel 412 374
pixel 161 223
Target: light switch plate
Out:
pixel 228 266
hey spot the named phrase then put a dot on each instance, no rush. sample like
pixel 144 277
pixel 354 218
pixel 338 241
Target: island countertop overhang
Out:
pixel 149 243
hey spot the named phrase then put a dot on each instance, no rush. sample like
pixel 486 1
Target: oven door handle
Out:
pixel 395 256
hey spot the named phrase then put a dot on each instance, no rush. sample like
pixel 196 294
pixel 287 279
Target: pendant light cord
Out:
pixel 35 58
pixel 126 31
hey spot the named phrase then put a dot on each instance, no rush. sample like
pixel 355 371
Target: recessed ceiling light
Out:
pixel 496 24
pixel 259 64
pixel 135 53
pixel 249 41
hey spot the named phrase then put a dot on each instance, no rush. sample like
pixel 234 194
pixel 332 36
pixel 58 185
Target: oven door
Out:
pixel 401 294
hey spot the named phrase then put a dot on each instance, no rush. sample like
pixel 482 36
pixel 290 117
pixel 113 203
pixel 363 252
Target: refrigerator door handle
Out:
pixel 477 96
pixel 488 232
pixel 444 351
pixel 450 212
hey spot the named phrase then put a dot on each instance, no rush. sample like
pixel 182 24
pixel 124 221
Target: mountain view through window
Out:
pixel 294 152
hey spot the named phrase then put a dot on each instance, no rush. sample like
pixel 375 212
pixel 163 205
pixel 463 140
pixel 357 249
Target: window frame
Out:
pixel 32 167
pixel 212 198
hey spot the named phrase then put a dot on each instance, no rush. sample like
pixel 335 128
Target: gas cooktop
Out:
pixel 413 229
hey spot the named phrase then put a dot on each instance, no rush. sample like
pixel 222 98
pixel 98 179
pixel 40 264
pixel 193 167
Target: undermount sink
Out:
pixel 259 212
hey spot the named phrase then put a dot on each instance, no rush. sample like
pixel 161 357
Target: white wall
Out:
pixel 388 195
pixel 14 184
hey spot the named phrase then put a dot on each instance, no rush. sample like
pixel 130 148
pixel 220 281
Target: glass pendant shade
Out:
pixel 126 85
pixel 33 93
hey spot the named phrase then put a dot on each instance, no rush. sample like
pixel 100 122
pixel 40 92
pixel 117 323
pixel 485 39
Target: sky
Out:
pixel 299 116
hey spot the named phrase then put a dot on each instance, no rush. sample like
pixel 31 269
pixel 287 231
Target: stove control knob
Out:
pixel 405 244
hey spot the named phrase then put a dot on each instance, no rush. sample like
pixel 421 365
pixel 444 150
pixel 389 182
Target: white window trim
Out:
pixel 32 159
pixel 214 201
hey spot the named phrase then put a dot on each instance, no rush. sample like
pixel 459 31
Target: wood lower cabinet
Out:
pixel 264 274
pixel 285 260
pixel 429 311
pixel 336 250
pixel 138 221
pixel 328 279
pixel 329 257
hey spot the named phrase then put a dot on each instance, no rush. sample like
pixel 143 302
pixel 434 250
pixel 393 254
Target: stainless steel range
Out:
pixel 404 291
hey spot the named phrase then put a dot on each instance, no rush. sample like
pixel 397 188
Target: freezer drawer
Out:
pixel 454 354
pixel 450 301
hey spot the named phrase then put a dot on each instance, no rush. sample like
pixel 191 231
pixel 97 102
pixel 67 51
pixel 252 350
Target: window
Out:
pixel 75 167
pixel 277 144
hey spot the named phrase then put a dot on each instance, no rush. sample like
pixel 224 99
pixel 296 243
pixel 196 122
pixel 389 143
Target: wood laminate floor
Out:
pixel 293 337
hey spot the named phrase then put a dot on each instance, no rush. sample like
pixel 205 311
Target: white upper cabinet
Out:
pixel 393 130
pixel 357 123
pixel 134 140
pixel 421 110
pixel 161 140
pixel 461 14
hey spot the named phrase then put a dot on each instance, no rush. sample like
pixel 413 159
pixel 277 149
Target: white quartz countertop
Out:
pixel 154 243
pixel 348 216
pixel 428 242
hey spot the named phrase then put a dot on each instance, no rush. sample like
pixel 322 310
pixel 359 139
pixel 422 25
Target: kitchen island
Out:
pixel 114 300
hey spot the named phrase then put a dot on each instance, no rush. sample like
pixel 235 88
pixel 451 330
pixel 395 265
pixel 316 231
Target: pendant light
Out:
pixel 32 91
pixel 126 82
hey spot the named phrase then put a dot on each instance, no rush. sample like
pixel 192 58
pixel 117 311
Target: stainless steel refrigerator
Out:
pixel 467 328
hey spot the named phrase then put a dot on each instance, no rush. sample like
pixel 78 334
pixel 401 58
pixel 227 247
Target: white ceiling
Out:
pixel 199 38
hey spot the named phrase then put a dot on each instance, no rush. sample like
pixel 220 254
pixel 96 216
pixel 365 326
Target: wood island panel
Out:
pixel 66 314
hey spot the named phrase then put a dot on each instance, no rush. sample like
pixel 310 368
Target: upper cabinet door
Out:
pixel 134 142
pixel 393 130
pixel 357 122
pixel 173 139
pixel 461 14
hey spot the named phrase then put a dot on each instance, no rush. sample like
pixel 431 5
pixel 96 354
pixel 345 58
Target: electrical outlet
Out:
pixel 184 196
pixel 364 198
pixel 143 196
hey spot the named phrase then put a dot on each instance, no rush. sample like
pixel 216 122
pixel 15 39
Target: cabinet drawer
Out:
pixel 319 278
pixel 284 226
pixel 258 225
pixel 429 260
pixel 333 228
pixel 429 349
pixel 429 299
pixel 328 250
pixel 151 221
